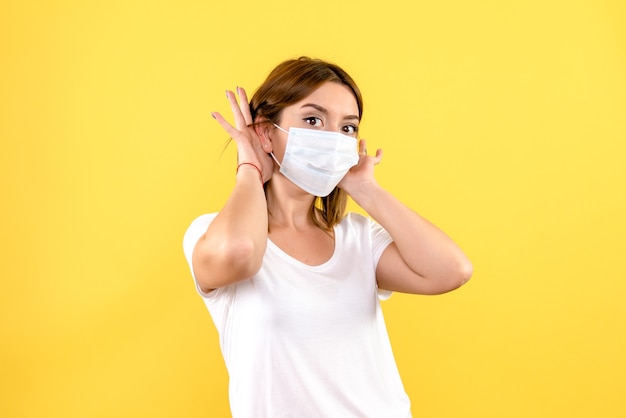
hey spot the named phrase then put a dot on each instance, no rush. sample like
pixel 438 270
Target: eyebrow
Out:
pixel 325 111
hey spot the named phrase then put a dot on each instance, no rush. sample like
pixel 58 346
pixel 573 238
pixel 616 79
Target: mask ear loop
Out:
pixel 271 153
pixel 287 132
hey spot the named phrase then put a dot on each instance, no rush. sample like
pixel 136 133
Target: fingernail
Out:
pixel 227 94
pixel 213 115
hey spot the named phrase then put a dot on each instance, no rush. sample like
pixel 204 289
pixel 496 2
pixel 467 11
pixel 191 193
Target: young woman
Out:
pixel 292 282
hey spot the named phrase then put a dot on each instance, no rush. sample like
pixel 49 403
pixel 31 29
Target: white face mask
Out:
pixel 315 160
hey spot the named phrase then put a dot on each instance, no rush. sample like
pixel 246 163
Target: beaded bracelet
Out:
pixel 253 165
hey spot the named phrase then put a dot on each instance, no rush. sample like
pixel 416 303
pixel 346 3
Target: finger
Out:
pixel 379 156
pixel 244 106
pixel 240 122
pixel 232 132
pixel 362 147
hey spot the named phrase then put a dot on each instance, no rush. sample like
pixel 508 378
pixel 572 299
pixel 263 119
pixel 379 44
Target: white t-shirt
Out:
pixel 309 341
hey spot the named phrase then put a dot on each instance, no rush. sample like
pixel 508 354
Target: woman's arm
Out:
pixel 422 259
pixel 233 246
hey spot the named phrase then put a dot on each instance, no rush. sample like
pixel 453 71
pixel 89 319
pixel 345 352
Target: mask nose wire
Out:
pixel 287 132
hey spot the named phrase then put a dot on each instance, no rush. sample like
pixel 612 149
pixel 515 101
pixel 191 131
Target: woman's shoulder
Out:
pixel 364 224
pixel 355 217
pixel 355 220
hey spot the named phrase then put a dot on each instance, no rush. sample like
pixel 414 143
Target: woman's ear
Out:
pixel 262 132
pixel 266 142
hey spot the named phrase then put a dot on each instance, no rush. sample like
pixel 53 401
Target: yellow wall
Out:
pixel 504 122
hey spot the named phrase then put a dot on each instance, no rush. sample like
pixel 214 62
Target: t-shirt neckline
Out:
pixel 292 260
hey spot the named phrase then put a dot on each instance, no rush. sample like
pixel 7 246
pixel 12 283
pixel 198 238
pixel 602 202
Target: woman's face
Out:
pixel 332 107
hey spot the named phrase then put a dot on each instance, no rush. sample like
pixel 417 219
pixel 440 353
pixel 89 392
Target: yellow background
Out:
pixel 504 122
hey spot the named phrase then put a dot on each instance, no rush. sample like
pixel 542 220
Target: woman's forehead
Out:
pixel 332 97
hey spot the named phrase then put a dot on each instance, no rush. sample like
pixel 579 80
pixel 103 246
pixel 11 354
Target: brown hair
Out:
pixel 288 83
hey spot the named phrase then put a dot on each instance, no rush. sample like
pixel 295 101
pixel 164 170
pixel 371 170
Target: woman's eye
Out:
pixel 313 121
pixel 350 129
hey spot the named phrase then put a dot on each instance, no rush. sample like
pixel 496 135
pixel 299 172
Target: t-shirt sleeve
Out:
pixel 197 228
pixel 380 240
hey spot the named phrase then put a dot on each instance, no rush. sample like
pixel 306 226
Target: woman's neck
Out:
pixel 288 206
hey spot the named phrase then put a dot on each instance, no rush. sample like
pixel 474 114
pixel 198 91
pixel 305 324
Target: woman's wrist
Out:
pixel 363 193
pixel 249 167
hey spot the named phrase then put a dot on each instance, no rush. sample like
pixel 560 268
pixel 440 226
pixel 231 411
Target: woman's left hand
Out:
pixel 361 176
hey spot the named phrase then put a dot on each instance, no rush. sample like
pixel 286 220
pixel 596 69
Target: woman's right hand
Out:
pixel 249 148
